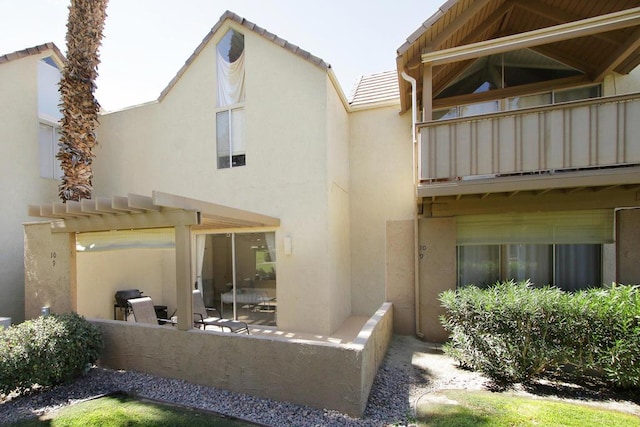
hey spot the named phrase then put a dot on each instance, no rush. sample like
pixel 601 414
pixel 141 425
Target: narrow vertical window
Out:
pixel 230 137
pixel 49 115
pixel 48 141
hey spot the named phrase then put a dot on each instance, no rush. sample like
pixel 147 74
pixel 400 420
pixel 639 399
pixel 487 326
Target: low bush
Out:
pixel 514 332
pixel 47 351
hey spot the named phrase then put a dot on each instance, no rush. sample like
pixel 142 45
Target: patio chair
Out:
pixel 201 316
pixel 143 312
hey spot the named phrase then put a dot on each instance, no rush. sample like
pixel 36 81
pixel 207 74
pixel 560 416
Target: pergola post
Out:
pixel 183 277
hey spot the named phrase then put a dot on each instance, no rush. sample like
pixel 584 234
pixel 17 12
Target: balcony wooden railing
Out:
pixel 596 133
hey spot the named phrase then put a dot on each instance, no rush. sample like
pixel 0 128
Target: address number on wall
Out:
pixel 421 251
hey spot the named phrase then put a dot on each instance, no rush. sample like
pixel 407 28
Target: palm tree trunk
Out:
pixel 79 106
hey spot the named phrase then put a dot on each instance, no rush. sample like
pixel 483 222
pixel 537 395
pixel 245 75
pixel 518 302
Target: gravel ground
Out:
pixel 410 372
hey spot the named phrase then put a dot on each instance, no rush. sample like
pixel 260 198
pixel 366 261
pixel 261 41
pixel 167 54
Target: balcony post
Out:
pixel 427 93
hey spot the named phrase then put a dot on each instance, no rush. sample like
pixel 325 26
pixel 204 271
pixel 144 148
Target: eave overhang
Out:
pixel 570 30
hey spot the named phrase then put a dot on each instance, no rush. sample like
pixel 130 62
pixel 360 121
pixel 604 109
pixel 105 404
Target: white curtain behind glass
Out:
pixel 230 81
pixel 200 244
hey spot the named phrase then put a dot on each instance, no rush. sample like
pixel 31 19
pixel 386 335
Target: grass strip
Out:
pixel 462 408
pixel 125 410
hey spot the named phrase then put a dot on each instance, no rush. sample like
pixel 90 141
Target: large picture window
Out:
pixel 570 267
pixel 563 248
pixel 230 123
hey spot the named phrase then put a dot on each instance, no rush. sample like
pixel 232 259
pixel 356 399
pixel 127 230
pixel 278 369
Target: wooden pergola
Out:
pixel 161 210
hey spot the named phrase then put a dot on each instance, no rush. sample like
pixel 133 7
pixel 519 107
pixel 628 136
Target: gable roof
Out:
pixel 32 51
pixel 375 90
pixel 228 15
pixel 468 22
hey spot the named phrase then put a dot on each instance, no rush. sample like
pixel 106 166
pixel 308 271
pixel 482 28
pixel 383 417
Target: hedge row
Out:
pixel 47 351
pixel 514 332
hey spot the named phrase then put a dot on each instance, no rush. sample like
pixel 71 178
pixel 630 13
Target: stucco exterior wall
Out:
pixel 338 198
pixel 20 175
pixel 381 189
pixel 49 263
pixel 628 241
pixel 170 146
pixel 400 275
pixel 321 375
pixel 620 84
pixel 437 272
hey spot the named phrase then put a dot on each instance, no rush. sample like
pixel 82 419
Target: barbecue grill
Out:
pixel 121 298
pixel 122 303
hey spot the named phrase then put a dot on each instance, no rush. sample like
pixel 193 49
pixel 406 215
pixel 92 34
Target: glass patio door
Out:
pixel 237 273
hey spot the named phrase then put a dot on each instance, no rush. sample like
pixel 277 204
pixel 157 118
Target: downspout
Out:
pixel 416 259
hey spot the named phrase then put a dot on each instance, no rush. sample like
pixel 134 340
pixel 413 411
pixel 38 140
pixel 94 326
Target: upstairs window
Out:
pixel 468 90
pixel 230 137
pixel 49 115
pixel 48 137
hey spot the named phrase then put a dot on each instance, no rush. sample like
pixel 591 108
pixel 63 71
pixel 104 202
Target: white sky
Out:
pixel 146 42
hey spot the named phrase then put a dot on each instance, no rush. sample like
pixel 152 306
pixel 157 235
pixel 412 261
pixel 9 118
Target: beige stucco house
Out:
pixel 28 171
pixel 504 146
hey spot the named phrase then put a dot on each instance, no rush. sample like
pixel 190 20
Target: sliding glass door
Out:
pixel 237 275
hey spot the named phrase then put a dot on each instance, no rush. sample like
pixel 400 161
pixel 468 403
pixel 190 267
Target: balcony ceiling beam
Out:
pixel 560 16
pixel 619 55
pixel 458 23
pixel 566 58
pixel 570 30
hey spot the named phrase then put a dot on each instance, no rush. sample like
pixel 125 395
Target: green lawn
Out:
pixel 458 408
pixel 123 410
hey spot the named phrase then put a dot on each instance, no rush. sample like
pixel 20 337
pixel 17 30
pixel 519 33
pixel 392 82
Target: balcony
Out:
pixel 584 143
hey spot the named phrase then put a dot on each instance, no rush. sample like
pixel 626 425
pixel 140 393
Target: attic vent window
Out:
pixel 230 101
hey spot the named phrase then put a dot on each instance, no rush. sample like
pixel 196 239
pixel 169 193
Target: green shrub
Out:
pixel 514 332
pixel 47 351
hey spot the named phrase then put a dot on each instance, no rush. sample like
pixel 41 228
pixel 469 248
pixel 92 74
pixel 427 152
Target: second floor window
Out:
pixel 49 115
pixel 48 139
pixel 230 122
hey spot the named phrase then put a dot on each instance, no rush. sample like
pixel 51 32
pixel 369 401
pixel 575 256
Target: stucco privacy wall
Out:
pixel 437 272
pixel 381 190
pixel 101 274
pixel 170 146
pixel 628 253
pixel 400 275
pixel 49 265
pixel 19 173
pixel 321 375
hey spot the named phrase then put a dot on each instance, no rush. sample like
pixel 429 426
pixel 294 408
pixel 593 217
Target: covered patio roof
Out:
pixel 161 210
pixel 136 212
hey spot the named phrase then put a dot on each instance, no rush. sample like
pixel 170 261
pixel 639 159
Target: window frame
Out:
pixel 504 260
pixel 49 157
pixel 235 157
pixel 230 141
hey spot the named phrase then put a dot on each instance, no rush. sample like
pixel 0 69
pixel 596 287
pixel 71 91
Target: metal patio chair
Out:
pixel 202 316
pixel 144 312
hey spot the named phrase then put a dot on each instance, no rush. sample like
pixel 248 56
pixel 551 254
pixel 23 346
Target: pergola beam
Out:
pixel 125 222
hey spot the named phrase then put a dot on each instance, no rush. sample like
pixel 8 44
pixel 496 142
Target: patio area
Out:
pixel 333 372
